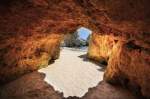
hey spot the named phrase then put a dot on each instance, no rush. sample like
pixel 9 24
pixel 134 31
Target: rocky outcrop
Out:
pixel 31 30
pixel 70 40
pixel 128 61
pixel 37 88
pixel 73 40
pixel 29 39
pixel 129 65
pixel 128 58
pixel 100 47
pixel 21 54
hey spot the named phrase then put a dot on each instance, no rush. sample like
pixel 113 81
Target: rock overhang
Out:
pixel 25 23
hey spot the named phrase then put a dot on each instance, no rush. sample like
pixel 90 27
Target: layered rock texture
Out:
pixel 129 65
pixel 100 47
pixel 31 32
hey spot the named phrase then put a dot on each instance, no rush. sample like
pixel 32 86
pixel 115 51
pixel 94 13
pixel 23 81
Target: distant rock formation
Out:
pixel 73 40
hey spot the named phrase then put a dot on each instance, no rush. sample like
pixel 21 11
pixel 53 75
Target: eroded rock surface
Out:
pixel 100 47
pixel 31 29
pixel 129 65
pixel 37 88
pixel 21 54
pixel 128 61
pixel 30 34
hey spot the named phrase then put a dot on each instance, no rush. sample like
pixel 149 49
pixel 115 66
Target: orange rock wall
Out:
pixel 31 31
pixel 30 34
pixel 128 62
pixel 21 54
pixel 129 65
pixel 100 47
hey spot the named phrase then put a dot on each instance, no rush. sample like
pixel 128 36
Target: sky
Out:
pixel 84 33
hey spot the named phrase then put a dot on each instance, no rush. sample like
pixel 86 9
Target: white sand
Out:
pixel 71 75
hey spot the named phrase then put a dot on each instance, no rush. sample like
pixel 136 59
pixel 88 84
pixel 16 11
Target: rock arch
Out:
pixel 31 31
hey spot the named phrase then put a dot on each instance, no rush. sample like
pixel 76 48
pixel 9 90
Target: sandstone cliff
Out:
pixel 31 31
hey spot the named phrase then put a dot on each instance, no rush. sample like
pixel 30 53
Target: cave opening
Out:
pixel 79 39
pixel 30 35
pixel 73 68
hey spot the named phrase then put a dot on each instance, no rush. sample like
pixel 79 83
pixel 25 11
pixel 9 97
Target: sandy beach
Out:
pixel 71 75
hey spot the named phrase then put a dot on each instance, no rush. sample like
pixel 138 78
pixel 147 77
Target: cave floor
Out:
pixel 72 74
pixel 39 85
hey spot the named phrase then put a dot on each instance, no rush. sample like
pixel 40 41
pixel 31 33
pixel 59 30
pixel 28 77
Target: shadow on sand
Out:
pixel 103 65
